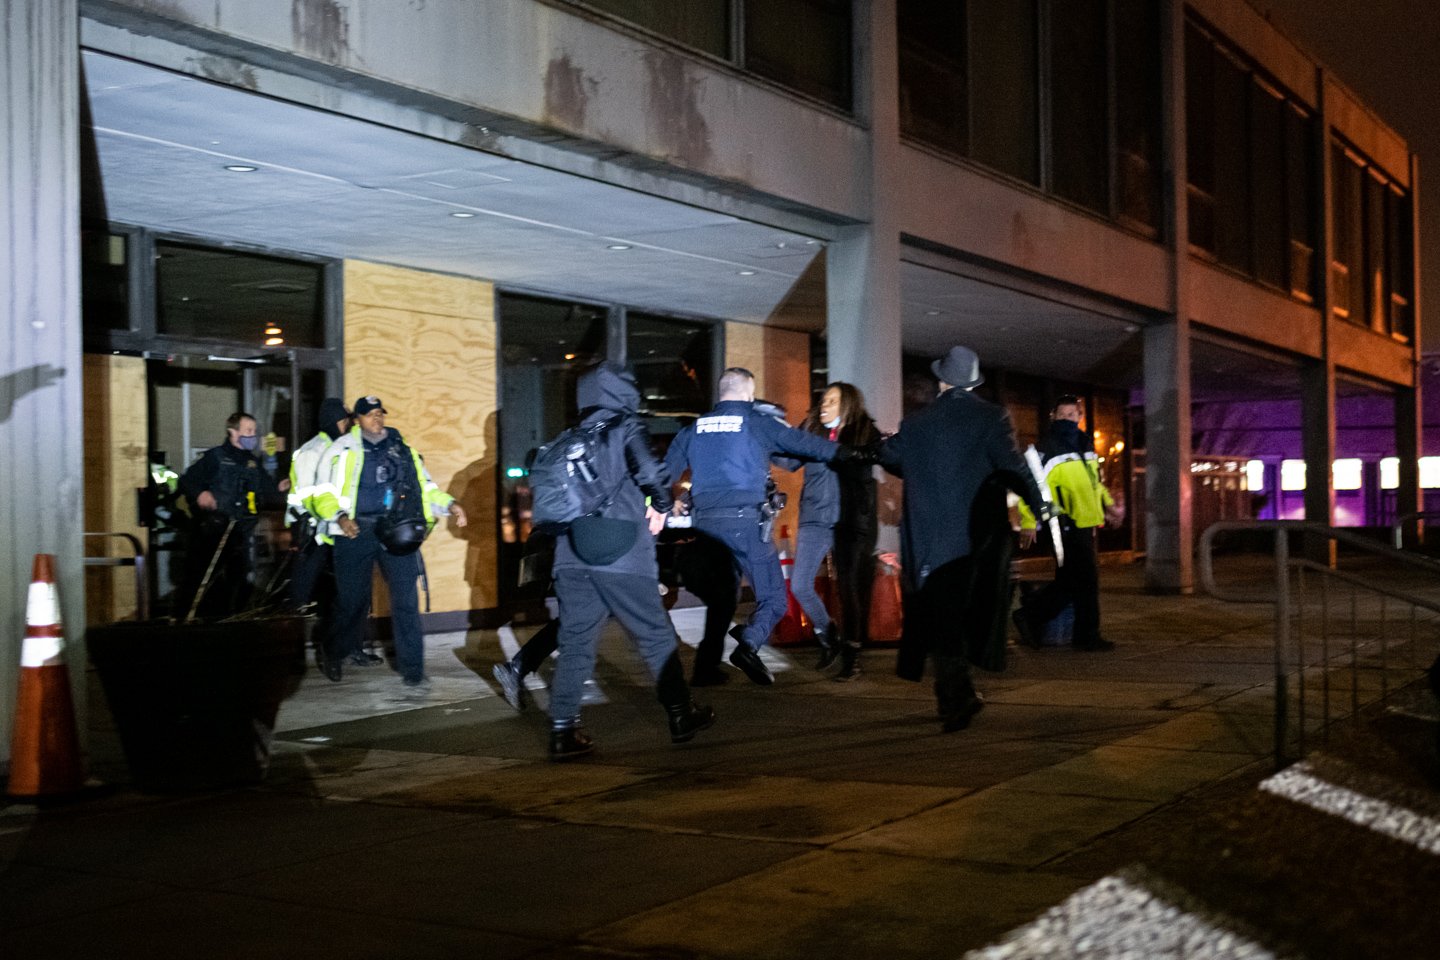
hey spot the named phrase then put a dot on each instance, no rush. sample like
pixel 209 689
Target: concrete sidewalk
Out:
pixel 815 819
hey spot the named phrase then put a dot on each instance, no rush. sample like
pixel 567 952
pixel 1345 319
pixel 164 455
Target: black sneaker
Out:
pixel 1026 629
pixel 959 718
pixel 569 743
pixel 331 669
pixel 364 658
pixel 511 684
pixel 829 646
pixel 746 659
pixel 688 720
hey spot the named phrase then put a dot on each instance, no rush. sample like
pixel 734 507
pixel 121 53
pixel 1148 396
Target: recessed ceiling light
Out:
pixel 1131 328
pixel 273 331
pixel 462 214
pixel 618 246
pixel 240 168
pixel 932 313
pixel 747 273
pixel 274 341
pixel 811 243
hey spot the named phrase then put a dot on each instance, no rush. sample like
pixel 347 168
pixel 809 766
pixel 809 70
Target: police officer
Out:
pixel 226 488
pixel 310 543
pixel 371 475
pixel 728 453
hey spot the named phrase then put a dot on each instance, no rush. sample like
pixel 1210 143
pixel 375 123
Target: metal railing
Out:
pixel 136 560
pixel 1397 529
pixel 1290 614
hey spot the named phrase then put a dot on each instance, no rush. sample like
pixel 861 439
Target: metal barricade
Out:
pixel 136 560
pixel 1290 614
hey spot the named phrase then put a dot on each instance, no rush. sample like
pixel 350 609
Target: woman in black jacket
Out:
pixel 837 516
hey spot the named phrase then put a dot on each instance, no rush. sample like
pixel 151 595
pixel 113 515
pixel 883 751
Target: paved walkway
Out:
pixel 816 819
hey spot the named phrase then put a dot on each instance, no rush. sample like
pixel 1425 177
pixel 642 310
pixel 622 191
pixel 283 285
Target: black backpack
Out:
pixel 565 480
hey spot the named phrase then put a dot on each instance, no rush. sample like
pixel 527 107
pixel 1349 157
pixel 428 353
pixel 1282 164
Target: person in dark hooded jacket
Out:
pixel 605 566
pixel 946 453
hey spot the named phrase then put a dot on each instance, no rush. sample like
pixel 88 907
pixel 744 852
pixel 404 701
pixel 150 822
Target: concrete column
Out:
pixel 1169 533
pixel 862 262
pixel 1317 438
pixel 1409 437
pixel 40 348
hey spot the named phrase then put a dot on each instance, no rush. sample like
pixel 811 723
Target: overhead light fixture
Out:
pixel 569 356
pixel 462 214
pixel 811 243
pixel 273 331
pixel 618 246
pixel 932 313
pixel 274 341
pixel 747 273
pixel 240 168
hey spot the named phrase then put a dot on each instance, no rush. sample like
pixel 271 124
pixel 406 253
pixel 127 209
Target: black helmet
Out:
pixel 401 537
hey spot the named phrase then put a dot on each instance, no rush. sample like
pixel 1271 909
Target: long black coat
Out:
pixel 944 453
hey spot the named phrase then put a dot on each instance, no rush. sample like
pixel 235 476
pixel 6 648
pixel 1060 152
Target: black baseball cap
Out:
pixel 365 404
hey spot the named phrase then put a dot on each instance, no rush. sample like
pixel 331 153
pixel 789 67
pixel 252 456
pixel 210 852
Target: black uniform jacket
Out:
pixel 945 452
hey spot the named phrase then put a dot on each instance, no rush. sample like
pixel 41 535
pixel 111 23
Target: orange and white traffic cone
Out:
pixel 45 748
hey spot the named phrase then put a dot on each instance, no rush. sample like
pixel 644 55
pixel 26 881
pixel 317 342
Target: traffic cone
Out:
pixel 886 616
pixel 794 627
pixel 45 748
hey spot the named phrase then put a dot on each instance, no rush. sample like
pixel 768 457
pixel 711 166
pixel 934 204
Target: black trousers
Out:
pixel 1076 582
pixel 708 571
pixel 854 554
pixel 232 582
pixel 938 621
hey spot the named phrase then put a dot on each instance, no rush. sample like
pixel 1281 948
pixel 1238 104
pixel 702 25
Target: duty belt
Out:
pixel 728 513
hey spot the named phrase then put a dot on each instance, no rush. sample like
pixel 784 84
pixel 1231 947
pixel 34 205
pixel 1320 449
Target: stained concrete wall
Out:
pixel 536 71
pixel 41 503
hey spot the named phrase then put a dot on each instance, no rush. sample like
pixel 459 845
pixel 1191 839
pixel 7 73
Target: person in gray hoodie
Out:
pixel 605 566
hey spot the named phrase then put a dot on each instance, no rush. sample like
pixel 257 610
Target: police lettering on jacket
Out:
pixel 728 453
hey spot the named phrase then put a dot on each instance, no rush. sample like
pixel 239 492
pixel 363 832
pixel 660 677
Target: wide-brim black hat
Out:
pixel 959 368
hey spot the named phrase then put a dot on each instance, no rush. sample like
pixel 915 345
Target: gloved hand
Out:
pixel 867 455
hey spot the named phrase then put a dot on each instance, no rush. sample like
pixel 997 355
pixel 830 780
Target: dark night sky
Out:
pixel 1385 51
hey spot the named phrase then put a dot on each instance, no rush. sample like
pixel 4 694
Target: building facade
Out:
pixel 1165 206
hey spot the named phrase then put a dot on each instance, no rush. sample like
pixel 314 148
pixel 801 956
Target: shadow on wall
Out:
pixel 475 486
pixel 17 384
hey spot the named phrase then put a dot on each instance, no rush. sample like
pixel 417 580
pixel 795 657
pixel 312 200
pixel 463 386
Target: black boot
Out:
pixel 849 664
pixel 569 740
pixel 686 718
pixel 829 646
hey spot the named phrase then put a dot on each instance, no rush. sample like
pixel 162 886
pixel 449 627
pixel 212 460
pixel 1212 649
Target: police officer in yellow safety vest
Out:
pixel 1072 471
pixel 380 498
pixel 310 540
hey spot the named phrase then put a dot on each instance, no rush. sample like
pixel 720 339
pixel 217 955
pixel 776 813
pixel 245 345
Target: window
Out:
pixel 674 363
pixel 1079 103
pixel 1004 87
pixel 803 44
pixel 1250 173
pixel 1269 243
pixel 1347 474
pixel 1371 270
pixel 702 24
pixel 934 91
pixel 104 280
pixel 211 294
pixel 1137 112
pixel 1255 476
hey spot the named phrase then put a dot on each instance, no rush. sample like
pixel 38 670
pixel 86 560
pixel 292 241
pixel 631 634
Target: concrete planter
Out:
pixel 195 704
